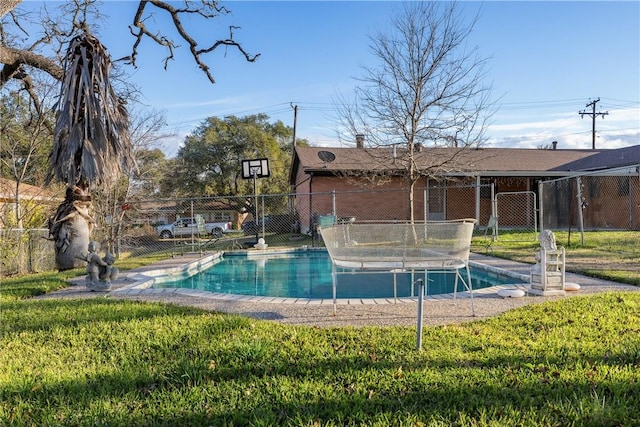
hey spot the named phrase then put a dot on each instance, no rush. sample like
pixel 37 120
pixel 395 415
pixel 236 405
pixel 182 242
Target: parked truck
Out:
pixel 183 227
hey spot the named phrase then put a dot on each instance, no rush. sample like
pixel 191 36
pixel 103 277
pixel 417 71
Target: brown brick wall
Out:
pixel 613 203
pixel 609 206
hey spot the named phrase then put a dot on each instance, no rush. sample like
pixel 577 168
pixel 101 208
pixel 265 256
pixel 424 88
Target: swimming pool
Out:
pixel 307 274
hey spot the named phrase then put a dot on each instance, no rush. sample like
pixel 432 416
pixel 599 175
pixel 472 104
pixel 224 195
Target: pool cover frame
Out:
pixel 419 246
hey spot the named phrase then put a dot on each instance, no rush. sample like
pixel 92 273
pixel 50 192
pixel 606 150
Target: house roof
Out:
pixel 608 159
pixel 459 162
pixel 27 191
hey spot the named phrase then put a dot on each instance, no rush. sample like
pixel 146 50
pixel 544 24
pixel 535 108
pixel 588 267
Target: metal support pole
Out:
pixel 478 187
pixel 426 202
pixel 494 212
pixel 541 205
pixel 262 216
pixel 395 287
pixel 333 204
pixel 254 172
pixel 580 206
pixel 193 219
pixel 420 304
pixel 334 279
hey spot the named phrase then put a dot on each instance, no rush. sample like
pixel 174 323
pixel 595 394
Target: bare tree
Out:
pixel 92 143
pixel 206 9
pixel 426 90
pixel 113 201
pixel 25 141
pixel 20 60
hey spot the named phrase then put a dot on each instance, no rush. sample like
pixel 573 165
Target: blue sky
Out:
pixel 547 61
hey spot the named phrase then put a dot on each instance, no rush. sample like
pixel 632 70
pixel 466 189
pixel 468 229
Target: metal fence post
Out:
pixel 494 212
pixel 30 260
pixel 580 204
pixel 333 204
pixel 426 203
pixel 420 304
pixel 541 205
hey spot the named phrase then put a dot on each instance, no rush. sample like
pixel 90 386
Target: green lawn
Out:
pixel 572 361
pixel 612 255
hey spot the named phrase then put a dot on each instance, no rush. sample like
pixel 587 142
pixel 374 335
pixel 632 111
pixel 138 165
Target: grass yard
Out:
pixel 611 255
pixel 574 361
pixel 571 361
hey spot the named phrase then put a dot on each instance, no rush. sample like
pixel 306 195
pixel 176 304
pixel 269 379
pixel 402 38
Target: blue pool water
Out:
pixel 307 274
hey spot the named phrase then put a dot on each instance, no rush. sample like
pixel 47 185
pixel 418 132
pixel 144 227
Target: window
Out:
pixel 485 188
pixel 623 185
pixel 594 187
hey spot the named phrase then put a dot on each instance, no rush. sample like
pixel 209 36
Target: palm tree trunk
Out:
pixel 91 145
pixel 70 228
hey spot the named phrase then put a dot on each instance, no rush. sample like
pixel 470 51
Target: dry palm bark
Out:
pixel 7 6
pixel 91 145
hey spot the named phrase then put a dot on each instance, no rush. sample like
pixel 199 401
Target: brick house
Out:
pixel 34 202
pixel 369 185
pixel 166 211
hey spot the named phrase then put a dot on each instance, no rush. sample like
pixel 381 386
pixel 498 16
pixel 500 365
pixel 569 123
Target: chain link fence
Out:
pixel 515 211
pixel 25 251
pixel 597 217
pixel 176 226
pixel 603 200
pixel 172 227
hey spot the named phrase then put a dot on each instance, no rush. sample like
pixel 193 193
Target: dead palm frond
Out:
pixel 91 140
pixel 7 6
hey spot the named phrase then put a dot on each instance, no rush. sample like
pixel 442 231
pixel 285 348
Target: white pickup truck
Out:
pixel 183 227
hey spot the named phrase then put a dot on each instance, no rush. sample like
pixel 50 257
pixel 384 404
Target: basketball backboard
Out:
pixel 258 168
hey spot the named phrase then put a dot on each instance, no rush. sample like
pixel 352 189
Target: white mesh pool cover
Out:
pixel 417 246
pixel 425 246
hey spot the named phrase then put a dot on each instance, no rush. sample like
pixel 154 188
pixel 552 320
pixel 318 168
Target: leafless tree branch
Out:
pixel 207 9
pixel 427 90
pixel 77 15
pixel 14 58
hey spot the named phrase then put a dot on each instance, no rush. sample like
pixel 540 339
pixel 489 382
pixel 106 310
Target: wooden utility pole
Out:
pixel 593 115
pixel 295 122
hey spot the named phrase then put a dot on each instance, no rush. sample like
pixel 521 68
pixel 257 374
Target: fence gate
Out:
pixel 517 214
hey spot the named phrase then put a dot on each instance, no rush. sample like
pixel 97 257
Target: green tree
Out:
pixel 147 179
pixel 209 162
pixel 25 139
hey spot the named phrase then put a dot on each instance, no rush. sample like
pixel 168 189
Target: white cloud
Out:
pixel 620 128
pixel 172 144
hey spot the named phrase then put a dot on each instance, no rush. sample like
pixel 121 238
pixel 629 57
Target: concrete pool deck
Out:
pixel 438 309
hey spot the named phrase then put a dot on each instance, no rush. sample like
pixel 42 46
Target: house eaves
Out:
pixel 525 174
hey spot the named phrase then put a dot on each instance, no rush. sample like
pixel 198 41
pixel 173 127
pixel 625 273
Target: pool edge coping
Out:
pixel 143 282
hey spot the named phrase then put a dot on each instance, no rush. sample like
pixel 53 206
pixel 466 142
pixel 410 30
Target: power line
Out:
pixel 593 115
pixel 529 105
